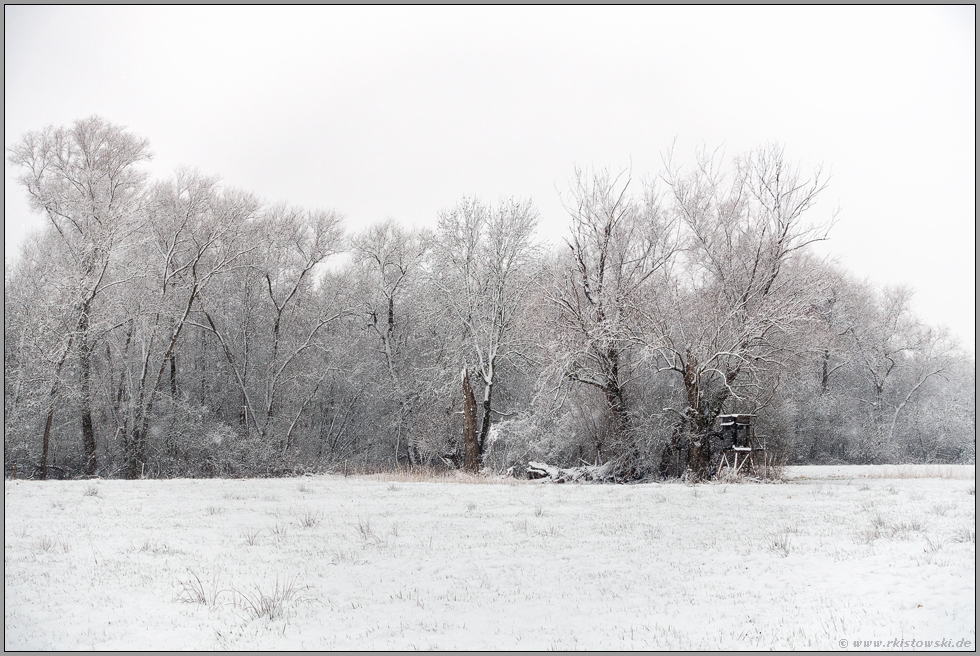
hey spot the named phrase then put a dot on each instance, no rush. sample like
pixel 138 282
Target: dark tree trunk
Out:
pixel 825 373
pixel 470 444
pixel 698 419
pixel 46 440
pixel 52 395
pixel 88 427
pixel 699 456
pixel 485 423
pixel 136 456
pixel 614 393
pixel 88 438
pixel 173 375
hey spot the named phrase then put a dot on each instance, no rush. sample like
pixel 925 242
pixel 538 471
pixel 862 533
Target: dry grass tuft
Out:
pixel 955 472
pixel 270 605
pixel 251 536
pixel 424 474
pixel 437 476
pixel 194 590
pixel 779 543
pixel 310 519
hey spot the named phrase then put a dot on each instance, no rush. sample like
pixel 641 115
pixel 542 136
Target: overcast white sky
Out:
pixel 399 111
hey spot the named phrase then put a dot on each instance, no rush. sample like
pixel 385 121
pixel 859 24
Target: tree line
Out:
pixel 184 328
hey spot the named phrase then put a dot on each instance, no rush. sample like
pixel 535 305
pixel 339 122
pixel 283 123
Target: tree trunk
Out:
pixel 52 395
pixel 136 458
pixel 485 423
pixel 173 375
pixel 614 392
pixel 46 439
pixel 699 456
pixel 701 415
pixel 470 444
pixel 88 427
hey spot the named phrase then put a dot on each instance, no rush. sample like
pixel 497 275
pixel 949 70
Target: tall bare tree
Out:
pixel 727 327
pixel 484 257
pixel 389 259
pixel 620 246
pixel 194 233
pixel 88 183
pixel 277 382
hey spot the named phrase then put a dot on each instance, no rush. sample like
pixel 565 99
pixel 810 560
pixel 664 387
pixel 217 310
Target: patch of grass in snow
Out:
pixel 942 508
pixel 153 546
pixel 934 553
pixel 92 490
pixel 653 533
pixel 372 536
pixel 868 536
pixel 878 522
pixel 923 471
pixel 310 519
pixel 251 536
pixel 46 543
pixel 907 526
pixel 867 504
pixel 279 533
pixel 365 531
pixel 43 543
pixel 195 590
pixel 881 528
pixel 965 535
pixel 346 557
pixel 552 531
pixel 211 511
pixel 779 543
pixel 427 475
pixel 271 604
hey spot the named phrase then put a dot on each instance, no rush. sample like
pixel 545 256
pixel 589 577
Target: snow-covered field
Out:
pixel 380 563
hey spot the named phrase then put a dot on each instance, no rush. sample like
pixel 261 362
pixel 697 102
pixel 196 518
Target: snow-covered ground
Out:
pixel 379 563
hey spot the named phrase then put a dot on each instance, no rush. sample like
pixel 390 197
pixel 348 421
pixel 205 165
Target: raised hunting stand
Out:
pixel 742 450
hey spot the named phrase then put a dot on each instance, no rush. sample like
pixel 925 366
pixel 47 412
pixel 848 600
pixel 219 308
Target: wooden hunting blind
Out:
pixel 742 450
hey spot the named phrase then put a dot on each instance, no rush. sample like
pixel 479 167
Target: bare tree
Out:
pixel 731 318
pixel 88 183
pixel 895 355
pixel 294 242
pixel 620 245
pixel 484 256
pixel 389 260
pixel 194 233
